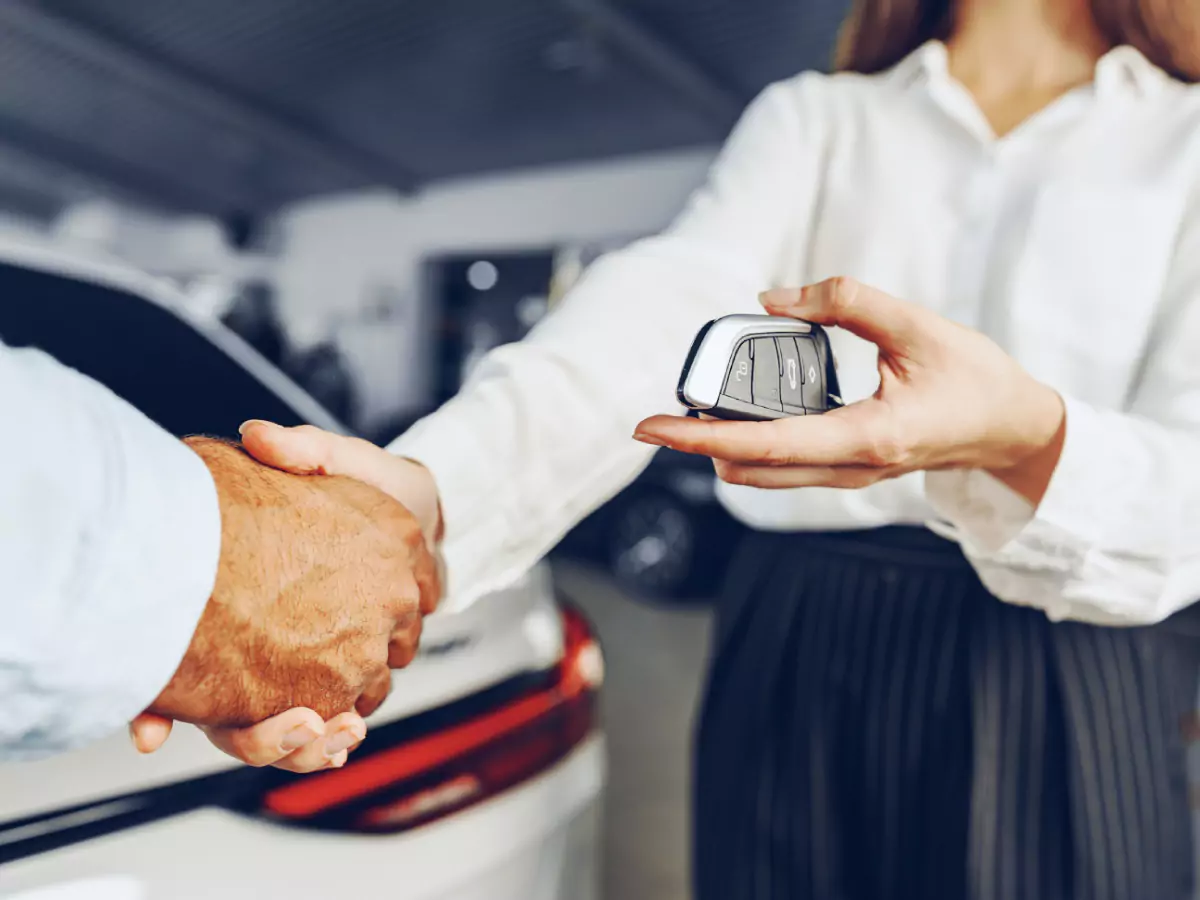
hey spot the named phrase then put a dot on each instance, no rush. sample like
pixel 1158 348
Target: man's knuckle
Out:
pixel 430 591
pixel 403 653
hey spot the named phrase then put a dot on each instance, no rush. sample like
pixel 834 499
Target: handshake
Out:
pixel 323 581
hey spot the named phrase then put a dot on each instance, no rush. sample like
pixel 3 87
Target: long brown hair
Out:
pixel 879 33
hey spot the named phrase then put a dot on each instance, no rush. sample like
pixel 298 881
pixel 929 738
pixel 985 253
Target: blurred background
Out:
pixel 374 194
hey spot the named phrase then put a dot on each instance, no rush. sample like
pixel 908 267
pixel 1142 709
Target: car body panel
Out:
pixel 533 841
pixel 44 256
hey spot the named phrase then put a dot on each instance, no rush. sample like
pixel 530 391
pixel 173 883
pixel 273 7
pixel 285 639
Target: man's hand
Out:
pixel 298 739
pixel 321 587
pixel 948 398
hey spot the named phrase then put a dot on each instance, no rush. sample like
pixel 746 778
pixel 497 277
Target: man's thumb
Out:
pixel 149 732
pixel 891 324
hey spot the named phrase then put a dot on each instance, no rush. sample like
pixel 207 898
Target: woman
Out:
pixel 890 713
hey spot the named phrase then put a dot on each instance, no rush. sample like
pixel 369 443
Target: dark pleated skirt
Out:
pixel 877 725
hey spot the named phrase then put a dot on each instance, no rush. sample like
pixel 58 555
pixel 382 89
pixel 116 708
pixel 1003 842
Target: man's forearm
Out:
pixel 109 541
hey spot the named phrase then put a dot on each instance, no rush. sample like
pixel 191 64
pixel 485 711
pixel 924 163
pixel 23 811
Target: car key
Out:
pixel 755 368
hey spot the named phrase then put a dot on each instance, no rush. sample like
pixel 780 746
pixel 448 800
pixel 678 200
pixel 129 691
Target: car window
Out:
pixel 142 352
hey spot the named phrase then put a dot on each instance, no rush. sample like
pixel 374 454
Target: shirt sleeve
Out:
pixel 541 433
pixel 1116 539
pixel 109 540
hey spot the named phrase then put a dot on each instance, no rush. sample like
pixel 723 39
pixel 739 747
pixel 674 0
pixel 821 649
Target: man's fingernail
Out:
pixel 300 736
pixel 649 439
pixel 343 740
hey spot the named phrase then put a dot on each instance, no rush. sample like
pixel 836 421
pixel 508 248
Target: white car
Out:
pixel 480 779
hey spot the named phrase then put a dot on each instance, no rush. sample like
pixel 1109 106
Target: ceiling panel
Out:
pixel 231 104
pixel 747 44
pixel 448 88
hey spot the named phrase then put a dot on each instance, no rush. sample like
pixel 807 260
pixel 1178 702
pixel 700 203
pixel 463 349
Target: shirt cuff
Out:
pixel 981 511
pixel 179 529
pixel 1070 509
pixel 461 479
pixel 992 520
pixel 155 572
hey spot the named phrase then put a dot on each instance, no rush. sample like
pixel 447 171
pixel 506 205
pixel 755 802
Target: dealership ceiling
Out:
pixel 236 107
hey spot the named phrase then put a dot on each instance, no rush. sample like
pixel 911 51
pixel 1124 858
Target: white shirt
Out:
pixel 1074 241
pixel 110 534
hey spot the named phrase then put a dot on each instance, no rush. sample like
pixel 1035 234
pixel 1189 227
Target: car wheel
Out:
pixel 654 544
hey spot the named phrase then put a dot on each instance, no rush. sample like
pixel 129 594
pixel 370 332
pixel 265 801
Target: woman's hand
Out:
pixel 949 398
pixel 296 740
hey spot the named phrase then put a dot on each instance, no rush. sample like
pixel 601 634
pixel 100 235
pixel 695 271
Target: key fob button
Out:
pixel 813 388
pixel 793 372
pixel 766 374
pixel 737 383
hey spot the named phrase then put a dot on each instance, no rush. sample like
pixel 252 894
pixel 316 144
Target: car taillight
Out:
pixel 461 762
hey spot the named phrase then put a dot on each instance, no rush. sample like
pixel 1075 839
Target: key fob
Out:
pixel 759 367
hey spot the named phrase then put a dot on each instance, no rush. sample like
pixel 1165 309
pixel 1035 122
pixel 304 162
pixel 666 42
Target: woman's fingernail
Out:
pixel 341 741
pixel 300 736
pixel 649 439
pixel 242 428
pixel 781 298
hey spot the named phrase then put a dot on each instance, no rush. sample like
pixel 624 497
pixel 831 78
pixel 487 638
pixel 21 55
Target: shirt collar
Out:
pixel 1120 69
pixel 1124 68
pixel 928 61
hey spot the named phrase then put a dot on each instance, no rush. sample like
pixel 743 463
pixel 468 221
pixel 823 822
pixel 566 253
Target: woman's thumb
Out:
pixel 307 450
pixel 302 451
pixel 892 325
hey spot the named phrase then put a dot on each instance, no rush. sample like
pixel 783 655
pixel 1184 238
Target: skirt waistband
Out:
pixel 895 544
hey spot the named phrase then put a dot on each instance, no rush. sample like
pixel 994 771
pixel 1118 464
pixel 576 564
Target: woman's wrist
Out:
pixel 429 502
pixel 1041 434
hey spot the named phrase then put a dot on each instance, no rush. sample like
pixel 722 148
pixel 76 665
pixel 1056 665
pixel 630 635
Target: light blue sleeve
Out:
pixel 110 534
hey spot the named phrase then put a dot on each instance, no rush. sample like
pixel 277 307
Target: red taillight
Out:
pixel 461 764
